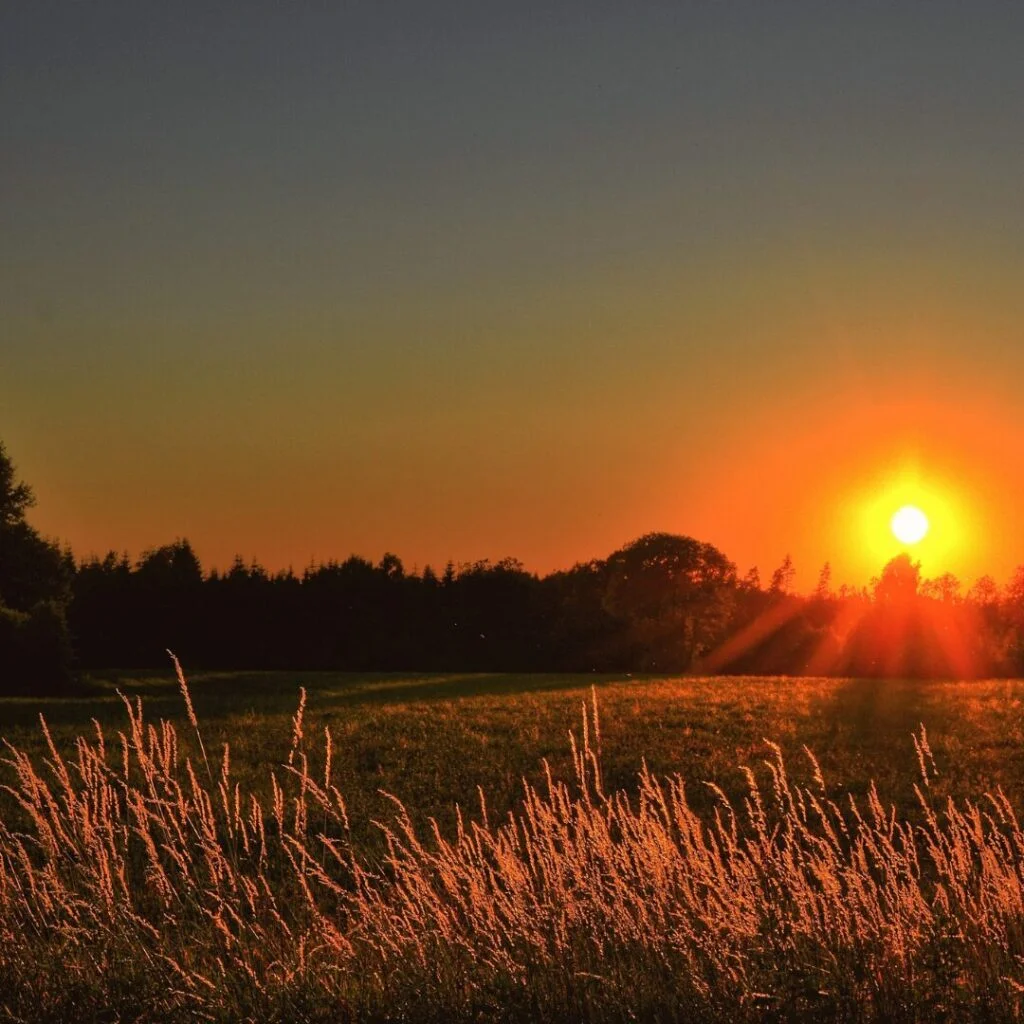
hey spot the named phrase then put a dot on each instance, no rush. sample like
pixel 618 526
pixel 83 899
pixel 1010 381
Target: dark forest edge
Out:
pixel 663 603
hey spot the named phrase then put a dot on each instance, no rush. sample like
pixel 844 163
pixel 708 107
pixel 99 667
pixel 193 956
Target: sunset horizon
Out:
pixel 849 505
pixel 463 284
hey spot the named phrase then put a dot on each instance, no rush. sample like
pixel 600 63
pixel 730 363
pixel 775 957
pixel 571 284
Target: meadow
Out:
pixel 322 846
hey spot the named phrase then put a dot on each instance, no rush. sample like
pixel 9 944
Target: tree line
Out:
pixel 662 603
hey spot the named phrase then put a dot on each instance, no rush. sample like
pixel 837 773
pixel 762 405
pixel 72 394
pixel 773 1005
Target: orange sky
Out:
pixel 814 468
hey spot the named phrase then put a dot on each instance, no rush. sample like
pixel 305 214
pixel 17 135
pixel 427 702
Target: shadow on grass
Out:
pixel 216 694
pixel 879 710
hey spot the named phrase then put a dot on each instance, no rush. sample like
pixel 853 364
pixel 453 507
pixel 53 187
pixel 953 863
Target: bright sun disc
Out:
pixel 909 525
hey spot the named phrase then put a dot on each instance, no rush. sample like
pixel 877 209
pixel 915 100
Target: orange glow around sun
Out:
pixel 893 520
pixel 831 494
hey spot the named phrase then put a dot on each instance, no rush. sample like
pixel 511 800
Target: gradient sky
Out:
pixel 473 280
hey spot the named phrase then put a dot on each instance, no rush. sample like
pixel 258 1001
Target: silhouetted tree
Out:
pixel 675 592
pixel 945 588
pixel 102 612
pixel 664 602
pixel 1012 615
pixel 782 578
pixel 16 498
pixel 1014 592
pixel 35 648
pixel 899 581
pixel 391 566
pixel 751 583
pixel 582 632
pixel 167 592
pixel 984 592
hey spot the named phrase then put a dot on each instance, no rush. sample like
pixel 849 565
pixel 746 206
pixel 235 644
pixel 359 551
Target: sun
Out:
pixel 910 525
pixel 901 509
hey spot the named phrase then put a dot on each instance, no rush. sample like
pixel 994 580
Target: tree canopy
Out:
pixel 35 587
pixel 15 498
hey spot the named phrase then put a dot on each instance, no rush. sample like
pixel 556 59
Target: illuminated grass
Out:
pixel 139 878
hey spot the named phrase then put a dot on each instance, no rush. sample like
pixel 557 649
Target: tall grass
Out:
pixel 138 881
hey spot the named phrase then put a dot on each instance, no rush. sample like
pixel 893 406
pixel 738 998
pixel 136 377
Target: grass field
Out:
pixel 431 741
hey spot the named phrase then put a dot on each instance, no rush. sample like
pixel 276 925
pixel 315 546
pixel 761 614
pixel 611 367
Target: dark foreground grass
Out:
pixel 659 905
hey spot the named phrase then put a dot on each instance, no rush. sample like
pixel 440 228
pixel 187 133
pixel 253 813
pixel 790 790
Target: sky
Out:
pixel 469 280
